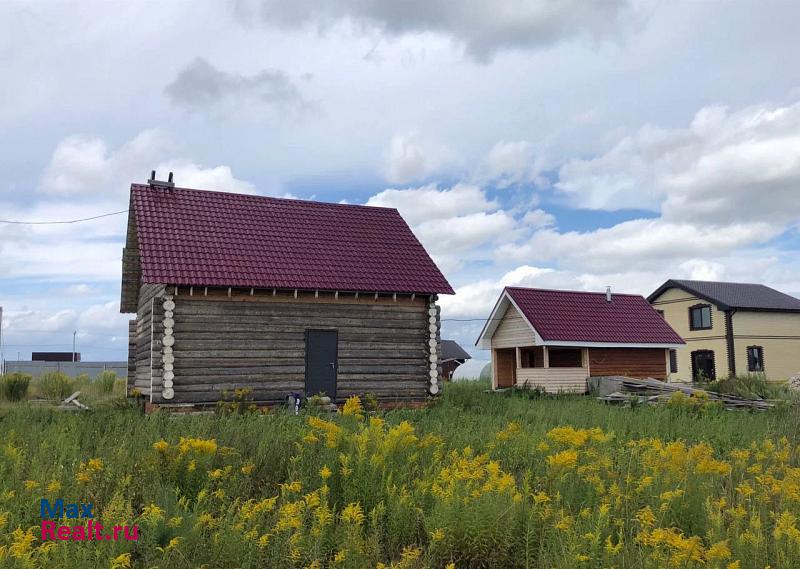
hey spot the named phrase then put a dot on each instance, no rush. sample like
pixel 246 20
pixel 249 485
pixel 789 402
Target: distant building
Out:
pixel 557 339
pixel 730 329
pixel 453 356
pixel 55 357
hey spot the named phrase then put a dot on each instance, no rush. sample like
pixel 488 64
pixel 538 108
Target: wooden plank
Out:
pixel 633 362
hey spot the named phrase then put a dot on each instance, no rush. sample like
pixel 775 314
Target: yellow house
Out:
pixel 730 329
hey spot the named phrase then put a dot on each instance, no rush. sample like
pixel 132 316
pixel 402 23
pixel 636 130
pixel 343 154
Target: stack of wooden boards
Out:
pixel 628 390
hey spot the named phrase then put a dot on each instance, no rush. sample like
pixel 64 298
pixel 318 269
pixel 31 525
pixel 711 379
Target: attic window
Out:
pixel 700 317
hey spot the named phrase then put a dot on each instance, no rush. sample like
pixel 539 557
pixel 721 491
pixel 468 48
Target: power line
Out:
pixel 468 319
pixel 63 222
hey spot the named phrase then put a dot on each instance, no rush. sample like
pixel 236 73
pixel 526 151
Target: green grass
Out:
pixel 753 386
pixel 265 451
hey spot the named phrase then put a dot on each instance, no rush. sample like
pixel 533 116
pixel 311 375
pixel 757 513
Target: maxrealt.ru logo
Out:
pixel 90 531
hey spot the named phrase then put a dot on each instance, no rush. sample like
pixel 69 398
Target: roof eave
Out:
pixel 582 344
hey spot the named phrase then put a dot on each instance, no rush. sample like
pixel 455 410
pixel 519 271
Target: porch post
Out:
pixel 494 369
pixel 546 358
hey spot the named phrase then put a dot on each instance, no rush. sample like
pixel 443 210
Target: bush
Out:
pixel 55 385
pixel 105 381
pixel 751 386
pixel 14 386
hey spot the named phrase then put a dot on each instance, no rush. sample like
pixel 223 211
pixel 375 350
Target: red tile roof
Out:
pixel 196 237
pixel 560 315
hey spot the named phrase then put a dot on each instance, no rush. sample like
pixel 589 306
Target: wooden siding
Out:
pixel 513 331
pixel 633 362
pixel 222 344
pixel 554 380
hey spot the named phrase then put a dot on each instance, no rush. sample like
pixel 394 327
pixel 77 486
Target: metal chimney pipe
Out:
pixel 608 294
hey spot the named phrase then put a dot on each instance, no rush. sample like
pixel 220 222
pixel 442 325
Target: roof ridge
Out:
pixel 722 282
pixel 602 293
pixel 262 197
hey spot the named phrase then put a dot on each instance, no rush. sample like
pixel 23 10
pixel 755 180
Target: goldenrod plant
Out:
pixel 477 480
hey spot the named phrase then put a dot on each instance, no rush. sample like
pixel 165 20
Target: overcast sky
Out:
pixel 561 144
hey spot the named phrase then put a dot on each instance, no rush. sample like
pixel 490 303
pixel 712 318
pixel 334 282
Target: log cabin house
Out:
pixel 730 329
pixel 277 296
pixel 556 339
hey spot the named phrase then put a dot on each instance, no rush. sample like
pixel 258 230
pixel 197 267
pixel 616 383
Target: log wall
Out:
pixel 258 342
pixel 145 341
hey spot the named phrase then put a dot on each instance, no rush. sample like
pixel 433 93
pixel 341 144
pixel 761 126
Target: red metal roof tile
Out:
pixel 203 238
pixel 588 317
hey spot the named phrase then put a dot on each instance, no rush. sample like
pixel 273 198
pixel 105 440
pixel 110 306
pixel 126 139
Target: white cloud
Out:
pixel 85 166
pixel 429 202
pixel 453 224
pixel 640 243
pixel 219 178
pixel 478 298
pixel 80 290
pixel 743 165
pixel 411 158
pixel 103 318
pixel 512 163
pixel 458 234
pixel 483 27
pixel 538 219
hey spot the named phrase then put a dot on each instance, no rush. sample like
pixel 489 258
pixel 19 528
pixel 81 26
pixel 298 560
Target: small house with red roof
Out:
pixel 276 296
pixel 557 339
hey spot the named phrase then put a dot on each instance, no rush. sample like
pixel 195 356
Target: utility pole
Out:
pixel 74 333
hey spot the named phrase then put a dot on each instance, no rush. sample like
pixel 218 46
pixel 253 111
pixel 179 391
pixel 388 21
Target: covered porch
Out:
pixel 552 368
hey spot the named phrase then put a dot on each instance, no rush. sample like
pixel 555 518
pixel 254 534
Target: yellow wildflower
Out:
pixel 161 446
pixel 563 460
pixel 121 561
pixel 719 550
pixel 152 513
pixel 352 513
pixel 325 472
pixel 54 486
pixel 31 485
pixel 22 543
pixel 352 407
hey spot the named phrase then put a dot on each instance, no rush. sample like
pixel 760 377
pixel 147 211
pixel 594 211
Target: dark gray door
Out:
pixel 703 365
pixel 322 347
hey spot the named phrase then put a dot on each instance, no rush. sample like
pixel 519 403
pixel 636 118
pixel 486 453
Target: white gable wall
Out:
pixel 513 331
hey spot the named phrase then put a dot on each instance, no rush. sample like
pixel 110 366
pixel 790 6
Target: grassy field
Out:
pixel 475 480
